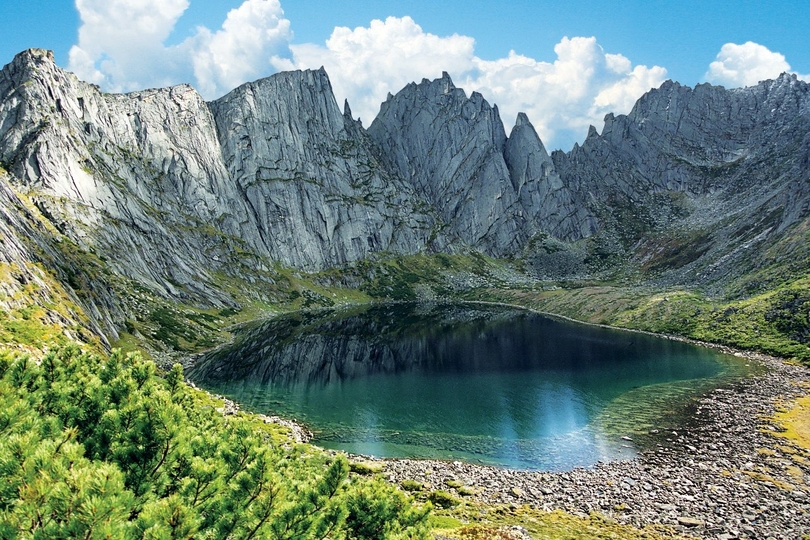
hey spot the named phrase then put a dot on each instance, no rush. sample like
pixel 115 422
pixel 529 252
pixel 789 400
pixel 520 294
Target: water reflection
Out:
pixel 452 381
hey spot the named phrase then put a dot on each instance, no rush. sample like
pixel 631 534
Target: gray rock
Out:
pixel 137 178
pixel 693 182
pixel 450 148
pixel 690 522
pixel 693 186
pixel 317 193
pixel 549 202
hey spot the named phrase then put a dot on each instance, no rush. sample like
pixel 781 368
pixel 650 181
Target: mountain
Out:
pixel 159 193
pixel 699 183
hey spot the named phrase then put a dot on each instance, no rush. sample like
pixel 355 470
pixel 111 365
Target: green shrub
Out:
pixel 443 499
pixel 93 447
pixel 375 511
pixel 364 468
pixel 411 485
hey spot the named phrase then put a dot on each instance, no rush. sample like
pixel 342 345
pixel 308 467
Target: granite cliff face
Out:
pixel 697 184
pixel 494 192
pixel 450 147
pixel 316 191
pixel 122 176
pixel 273 168
pixel 162 189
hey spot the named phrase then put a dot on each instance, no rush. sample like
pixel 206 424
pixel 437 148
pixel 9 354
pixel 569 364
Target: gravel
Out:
pixel 722 474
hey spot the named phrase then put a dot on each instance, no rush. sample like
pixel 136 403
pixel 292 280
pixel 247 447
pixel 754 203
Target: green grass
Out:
pixel 795 419
pixel 478 521
pixel 418 277
pixel 776 322
pixel 36 312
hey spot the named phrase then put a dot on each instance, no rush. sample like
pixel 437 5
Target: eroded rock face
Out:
pixel 316 191
pixel 450 147
pixel 698 183
pixel 171 188
pixel 138 178
pixel 551 204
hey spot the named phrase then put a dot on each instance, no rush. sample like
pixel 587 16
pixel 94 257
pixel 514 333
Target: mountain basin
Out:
pixel 478 383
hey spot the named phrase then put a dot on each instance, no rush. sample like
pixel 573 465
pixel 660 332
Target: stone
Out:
pixel 319 195
pixel 450 148
pixel 690 522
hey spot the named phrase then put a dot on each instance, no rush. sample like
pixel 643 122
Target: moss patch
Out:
pixel 796 422
pixel 493 521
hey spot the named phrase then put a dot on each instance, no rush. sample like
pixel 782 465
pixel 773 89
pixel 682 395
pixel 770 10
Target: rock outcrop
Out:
pixel 550 203
pixel 317 193
pixel 693 181
pixel 138 179
pixel 171 192
pixel 450 147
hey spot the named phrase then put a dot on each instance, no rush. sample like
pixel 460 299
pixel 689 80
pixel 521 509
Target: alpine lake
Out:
pixel 477 383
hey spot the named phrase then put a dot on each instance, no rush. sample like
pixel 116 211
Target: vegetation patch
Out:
pixel 365 468
pixel 676 251
pixel 500 522
pixel 412 485
pixel 36 311
pixel 796 422
pixel 442 499
pixel 103 447
pixel 774 323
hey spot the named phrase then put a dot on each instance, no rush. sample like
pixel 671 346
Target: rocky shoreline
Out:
pixel 722 474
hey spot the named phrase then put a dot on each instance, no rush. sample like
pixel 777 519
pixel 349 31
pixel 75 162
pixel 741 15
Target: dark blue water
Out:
pixel 478 383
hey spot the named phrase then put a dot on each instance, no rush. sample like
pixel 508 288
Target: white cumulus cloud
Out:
pixel 365 64
pixel 120 41
pixel 561 98
pixel 745 65
pixel 253 34
pixel 122 47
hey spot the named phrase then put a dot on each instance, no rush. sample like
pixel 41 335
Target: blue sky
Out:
pixel 565 63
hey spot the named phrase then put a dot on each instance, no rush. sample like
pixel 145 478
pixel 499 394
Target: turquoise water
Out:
pixel 483 384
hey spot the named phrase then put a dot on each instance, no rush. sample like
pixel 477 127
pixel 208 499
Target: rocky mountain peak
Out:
pixel 447 83
pixel 450 147
pixel 522 120
pixel 30 58
pixel 523 133
pixel 313 185
pixel 549 204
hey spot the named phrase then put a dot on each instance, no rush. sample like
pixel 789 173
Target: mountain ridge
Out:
pixel 196 201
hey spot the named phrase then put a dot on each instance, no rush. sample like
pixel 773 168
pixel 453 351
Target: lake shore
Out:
pixel 722 474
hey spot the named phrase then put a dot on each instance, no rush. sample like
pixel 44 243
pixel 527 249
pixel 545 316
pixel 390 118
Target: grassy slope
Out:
pixel 774 322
